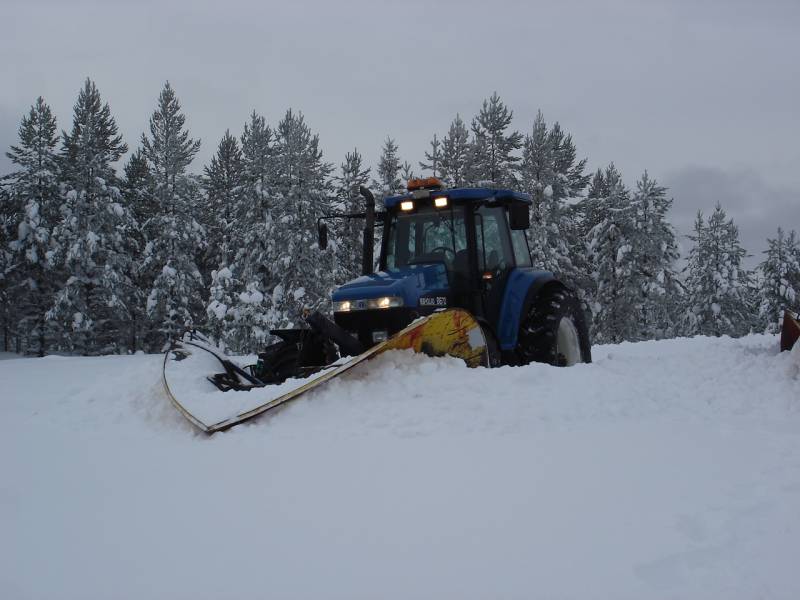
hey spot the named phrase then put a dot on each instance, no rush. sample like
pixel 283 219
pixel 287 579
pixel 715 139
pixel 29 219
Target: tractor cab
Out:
pixel 441 248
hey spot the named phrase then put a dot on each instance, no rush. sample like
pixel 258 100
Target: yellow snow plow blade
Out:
pixel 189 362
pixel 790 331
pixel 448 333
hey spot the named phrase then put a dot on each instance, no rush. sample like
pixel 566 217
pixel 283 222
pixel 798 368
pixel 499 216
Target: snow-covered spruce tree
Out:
pixel 590 208
pixel 493 146
pixel 717 284
pixel 350 236
pixel 91 236
pixel 249 313
pixel 434 158
pixel 587 214
pixel 9 214
pixel 613 258
pixel 224 187
pixel 137 187
pixel 552 175
pixel 656 253
pixel 406 174
pixel 454 165
pixel 223 183
pixel 174 237
pixel 389 172
pixel 32 281
pixel 221 314
pixel 780 279
pixel 303 272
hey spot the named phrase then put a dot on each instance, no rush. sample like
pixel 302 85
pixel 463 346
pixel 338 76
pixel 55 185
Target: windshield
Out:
pixel 428 235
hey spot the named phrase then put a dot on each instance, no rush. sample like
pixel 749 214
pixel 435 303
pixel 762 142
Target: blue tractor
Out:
pixel 441 248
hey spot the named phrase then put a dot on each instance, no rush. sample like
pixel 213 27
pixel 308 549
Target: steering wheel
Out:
pixel 444 250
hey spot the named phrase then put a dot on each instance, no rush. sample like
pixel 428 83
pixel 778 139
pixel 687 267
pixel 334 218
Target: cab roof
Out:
pixel 463 195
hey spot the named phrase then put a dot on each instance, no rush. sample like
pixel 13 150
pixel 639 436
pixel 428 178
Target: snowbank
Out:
pixel 663 470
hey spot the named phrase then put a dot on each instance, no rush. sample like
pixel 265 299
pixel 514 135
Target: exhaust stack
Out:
pixel 369 231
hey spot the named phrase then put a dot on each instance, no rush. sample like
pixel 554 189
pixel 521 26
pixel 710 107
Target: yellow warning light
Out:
pixel 429 183
pixel 407 205
pixel 440 202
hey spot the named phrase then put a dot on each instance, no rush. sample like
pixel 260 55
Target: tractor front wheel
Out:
pixel 554 330
pixel 277 363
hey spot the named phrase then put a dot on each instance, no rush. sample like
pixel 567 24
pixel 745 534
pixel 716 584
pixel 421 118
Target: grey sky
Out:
pixel 705 95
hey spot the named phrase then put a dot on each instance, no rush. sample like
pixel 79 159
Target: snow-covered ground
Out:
pixel 663 470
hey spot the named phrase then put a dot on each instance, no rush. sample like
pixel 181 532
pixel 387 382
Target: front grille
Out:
pixel 362 323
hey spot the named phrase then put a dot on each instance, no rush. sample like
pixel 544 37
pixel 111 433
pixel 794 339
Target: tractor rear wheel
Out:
pixel 554 330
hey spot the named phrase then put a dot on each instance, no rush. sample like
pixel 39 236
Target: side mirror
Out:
pixel 519 217
pixel 322 231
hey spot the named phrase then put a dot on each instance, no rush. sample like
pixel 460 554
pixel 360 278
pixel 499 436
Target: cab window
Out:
pixel 494 251
pixel 427 236
pixel 521 253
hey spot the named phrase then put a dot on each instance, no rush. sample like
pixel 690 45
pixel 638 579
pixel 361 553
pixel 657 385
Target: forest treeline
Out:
pixel 99 259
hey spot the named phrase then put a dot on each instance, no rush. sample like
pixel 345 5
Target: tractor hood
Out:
pixel 407 283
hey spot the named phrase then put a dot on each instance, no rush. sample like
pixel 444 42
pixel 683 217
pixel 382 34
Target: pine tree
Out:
pixel 258 156
pixel 221 311
pixel 434 158
pixel 656 252
pixel 588 213
pixel 9 215
pixel 174 237
pixel 780 274
pixel 250 310
pixel 613 259
pixel 493 159
pixel 717 283
pixel 31 281
pixel 95 224
pixel 590 208
pixel 406 174
pixel 389 180
pixel 137 187
pixel 350 239
pixel 303 272
pixel 454 164
pixel 224 186
pixel 554 178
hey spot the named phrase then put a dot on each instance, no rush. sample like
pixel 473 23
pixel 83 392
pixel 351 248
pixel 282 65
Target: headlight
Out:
pixel 342 306
pixel 385 302
pixel 371 303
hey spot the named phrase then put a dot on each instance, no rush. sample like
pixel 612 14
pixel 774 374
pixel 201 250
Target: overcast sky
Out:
pixel 705 95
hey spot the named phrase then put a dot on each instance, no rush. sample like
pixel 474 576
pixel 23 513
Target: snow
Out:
pixel 23 230
pixel 218 309
pixel 251 297
pixel 663 470
pixel 223 274
pixel 116 209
